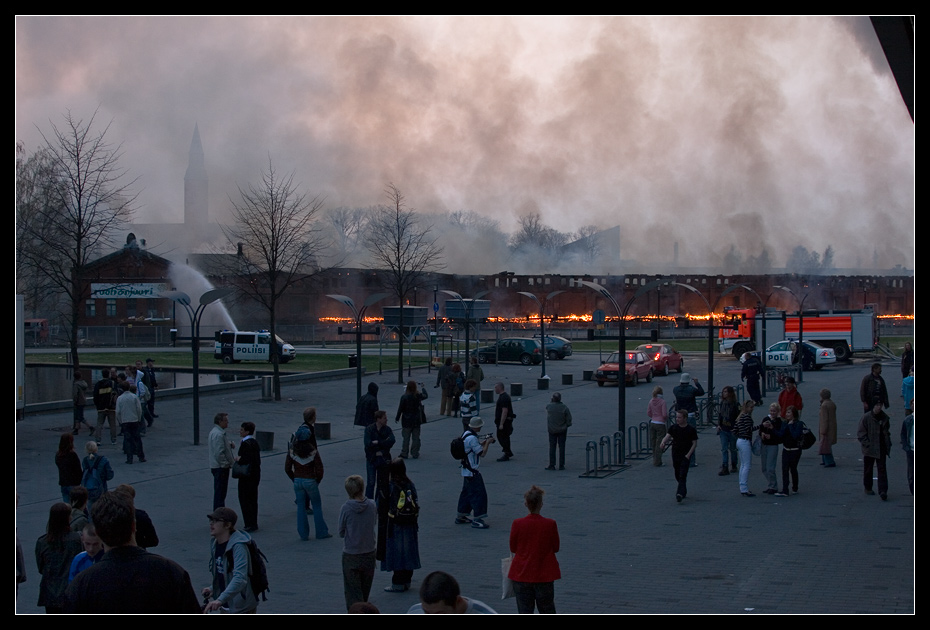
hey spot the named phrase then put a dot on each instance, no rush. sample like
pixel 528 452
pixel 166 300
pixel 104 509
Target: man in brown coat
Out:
pixel 827 429
pixel 875 437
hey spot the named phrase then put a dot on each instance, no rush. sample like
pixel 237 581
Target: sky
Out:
pixel 708 132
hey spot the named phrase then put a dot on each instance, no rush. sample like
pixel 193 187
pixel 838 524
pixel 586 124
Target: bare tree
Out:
pixel 589 239
pixel 275 225
pixel 77 196
pixel 346 227
pixel 404 249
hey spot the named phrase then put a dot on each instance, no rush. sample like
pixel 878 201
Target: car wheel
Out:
pixel 635 380
pixel 649 377
pixel 227 359
pixel 600 383
pixel 526 359
pixel 742 348
pixel 681 366
pixel 665 371
pixel 553 355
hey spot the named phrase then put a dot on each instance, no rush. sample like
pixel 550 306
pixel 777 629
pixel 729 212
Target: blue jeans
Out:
pixel 769 462
pixel 727 445
pixel 304 489
pixel 744 447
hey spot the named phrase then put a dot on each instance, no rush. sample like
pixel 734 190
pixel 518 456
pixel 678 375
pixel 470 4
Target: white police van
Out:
pixel 233 346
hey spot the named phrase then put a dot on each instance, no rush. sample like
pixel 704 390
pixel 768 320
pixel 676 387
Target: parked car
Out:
pixel 526 351
pixel 557 347
pixel 785 354
pixel 665 357
pixel 639 367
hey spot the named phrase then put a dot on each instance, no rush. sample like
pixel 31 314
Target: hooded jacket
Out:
pixel 367 406
pixel 238 595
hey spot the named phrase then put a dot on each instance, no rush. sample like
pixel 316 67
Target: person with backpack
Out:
pixel 474 496
pixel 305 469
pixel 230 564
pixel 402 551
pixel 105 401
pixel 97 472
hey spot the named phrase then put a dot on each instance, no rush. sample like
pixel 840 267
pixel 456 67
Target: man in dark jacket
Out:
pixel 128 579
pixel 367 406
pixel 873 386
pixel 379 439
pixel 686 398
pixel 875 437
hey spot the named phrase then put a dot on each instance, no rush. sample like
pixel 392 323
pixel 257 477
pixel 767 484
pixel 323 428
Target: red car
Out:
pixel 638 367
pixel 665 357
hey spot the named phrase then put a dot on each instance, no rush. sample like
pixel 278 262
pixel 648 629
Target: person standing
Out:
pixel 827 429
pixel 357 524
pixel 55 551
pixel 304 467
pixel 250 458
pixel 684 438
pixel 475 373
pixel 872 387
pixel 727 413
pixel 790 396
pixel 907 360
pixel 230 565
pixel 534 541
pixel 221 458
pixel 402 549
pixel 69 466
pixel 367 406
pixel 129 416
pixel 743 430
pixel 97 472
pixel 105 395
pixel 907 443
pixel 445 380
pixel 468 403
pixel 657 412
pixel 875 439
pixel 474 496
pixel 769 431
pixel 790 435
pixel 378 440
pixel 907 391
pixel 752 374
pixel 92 554
pixel 558 419
pixel 686 398
pixel 152 383
pixel 409 414
pixel 503 420
pixel 79 399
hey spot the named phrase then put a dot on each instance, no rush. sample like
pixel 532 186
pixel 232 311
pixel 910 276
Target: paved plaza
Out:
pixel 626 545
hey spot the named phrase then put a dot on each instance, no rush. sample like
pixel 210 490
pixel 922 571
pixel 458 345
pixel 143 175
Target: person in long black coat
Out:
pixel 249 455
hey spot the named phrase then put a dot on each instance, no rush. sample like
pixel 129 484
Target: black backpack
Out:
pixel 457 448
pixel 258 579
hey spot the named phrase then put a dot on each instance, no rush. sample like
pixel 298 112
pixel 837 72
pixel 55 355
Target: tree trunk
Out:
pixel 400 344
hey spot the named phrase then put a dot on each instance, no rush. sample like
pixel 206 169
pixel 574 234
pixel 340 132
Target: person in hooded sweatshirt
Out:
pixel 357 525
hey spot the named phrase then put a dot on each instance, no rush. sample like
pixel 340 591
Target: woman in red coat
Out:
pixel 534 541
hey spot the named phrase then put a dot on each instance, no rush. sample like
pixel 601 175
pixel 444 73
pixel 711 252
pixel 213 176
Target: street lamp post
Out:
pixel 467 309
pixel 359 318
pixel 179 297
pixel 621 343
pixel 542 321
pixel 800 302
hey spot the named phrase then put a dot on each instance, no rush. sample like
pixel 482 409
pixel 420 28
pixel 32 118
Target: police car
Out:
pixel 233 346
pixel 787 353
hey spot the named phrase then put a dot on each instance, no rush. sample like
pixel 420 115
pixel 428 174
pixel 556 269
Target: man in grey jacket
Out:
pixel 221 458
pixel 229 564
pixel 558 419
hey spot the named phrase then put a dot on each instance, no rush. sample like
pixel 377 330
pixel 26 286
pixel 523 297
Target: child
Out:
pixel 357 523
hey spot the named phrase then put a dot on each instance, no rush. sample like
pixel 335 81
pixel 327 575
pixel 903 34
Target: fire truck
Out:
pixel 844 331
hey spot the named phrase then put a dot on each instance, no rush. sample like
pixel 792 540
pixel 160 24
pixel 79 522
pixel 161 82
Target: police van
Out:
pixel 233 346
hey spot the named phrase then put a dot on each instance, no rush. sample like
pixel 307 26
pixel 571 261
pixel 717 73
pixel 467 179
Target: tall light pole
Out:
pixel 800 302
pixel 621 312
pixel 542 321
pixel 211 296
pixel 467 308
pixel 359 319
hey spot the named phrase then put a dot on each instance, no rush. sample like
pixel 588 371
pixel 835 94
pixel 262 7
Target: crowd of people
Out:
pixel 95 533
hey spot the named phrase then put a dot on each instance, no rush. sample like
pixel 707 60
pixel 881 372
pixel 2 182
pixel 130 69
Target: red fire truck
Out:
pixel 844 331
